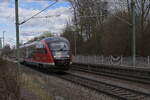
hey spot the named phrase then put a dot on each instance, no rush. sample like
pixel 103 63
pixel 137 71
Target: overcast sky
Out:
pixel 36 26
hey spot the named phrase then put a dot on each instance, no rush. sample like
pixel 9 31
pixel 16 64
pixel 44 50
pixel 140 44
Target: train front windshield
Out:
pixel 60 49
pixel 59 46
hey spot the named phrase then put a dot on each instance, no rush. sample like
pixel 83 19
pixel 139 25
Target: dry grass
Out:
pixel 9 84
pixel 34 85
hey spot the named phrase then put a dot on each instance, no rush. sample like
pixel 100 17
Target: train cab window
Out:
pixel 59 46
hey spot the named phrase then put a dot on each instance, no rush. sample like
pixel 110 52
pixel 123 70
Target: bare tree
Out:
pixel 105 26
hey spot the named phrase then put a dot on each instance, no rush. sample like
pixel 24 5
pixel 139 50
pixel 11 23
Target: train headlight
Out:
pixel 61 54
pixel 58 54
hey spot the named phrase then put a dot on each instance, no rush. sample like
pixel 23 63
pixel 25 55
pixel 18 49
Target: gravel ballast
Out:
pixel 55 88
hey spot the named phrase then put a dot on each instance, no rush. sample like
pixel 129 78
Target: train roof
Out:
pixel 28 44
pixel 55 39
pixel 47 40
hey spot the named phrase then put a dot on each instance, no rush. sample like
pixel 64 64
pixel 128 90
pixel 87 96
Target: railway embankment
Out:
pixel 9 83
pixel 15 85
pixel 50 86
pixel 42 84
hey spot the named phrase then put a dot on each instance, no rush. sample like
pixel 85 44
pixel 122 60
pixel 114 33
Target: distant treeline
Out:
pixel 100 27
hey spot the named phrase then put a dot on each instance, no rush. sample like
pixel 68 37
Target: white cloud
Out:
pixel 53 24
pixel 33 27
pixel 43 3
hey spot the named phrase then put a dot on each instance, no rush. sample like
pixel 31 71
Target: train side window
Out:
pixel 30 51
pixel 41 51
pixel 44 51
pixel 40 48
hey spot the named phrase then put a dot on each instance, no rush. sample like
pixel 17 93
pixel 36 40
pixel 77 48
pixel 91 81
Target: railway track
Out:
pixel 102 87
pixel 113 90
pixel 121 93
pixel 124 74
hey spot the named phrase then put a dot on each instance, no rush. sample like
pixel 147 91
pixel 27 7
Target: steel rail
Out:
pixel 113 90
pixel 126 75
pixel 103 87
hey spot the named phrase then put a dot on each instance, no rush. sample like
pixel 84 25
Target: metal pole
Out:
pixel 148 60
pixel 3 38
pixel 0 43
pixel 75 43
pixel 17 29
pixel 133 33
pixel 17 38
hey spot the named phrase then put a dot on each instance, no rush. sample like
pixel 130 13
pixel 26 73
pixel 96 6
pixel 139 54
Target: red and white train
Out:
pixel 51 52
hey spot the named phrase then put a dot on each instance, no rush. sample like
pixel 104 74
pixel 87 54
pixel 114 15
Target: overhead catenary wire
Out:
pixel 121 19
pixel 42 0
pixel 37 13
pixel 47 16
